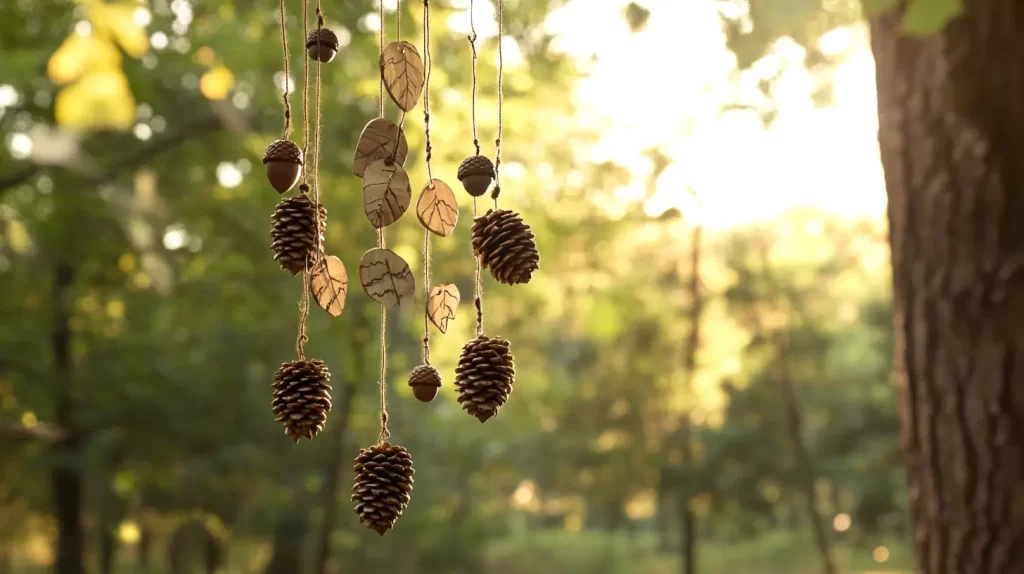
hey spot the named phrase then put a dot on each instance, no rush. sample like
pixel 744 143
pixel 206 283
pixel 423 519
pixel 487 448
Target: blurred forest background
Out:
pixel 704 383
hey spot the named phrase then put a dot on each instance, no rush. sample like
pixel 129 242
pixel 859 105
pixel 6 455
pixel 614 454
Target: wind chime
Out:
pixel 302 390
pixel 501 242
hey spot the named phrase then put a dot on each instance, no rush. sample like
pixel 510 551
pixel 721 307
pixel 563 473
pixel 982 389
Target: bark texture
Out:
pixel 951 132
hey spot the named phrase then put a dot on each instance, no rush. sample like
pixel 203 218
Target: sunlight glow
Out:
pixel 880 554
pixel 20 145
pixel 825 157
pixel 841 522
pixel 228 175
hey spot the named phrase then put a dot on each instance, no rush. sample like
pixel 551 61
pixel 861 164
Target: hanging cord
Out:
pixel 385 434
pixel 287 76
pixel 380 95
pixel 501 89
pixel 318 127
pixel 305 96
pixel 472 49
pixel 478 289
pixel 430 181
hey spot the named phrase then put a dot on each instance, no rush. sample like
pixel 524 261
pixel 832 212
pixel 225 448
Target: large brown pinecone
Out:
pixel 302 397
pixel 294 234
pixel 383 485
pixel 505 246
pixel 484 376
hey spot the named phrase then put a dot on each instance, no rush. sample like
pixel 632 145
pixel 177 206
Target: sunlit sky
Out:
pixel 811 156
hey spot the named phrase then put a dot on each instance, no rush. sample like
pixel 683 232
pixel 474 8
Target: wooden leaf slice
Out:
pixel 329 284
pixel 387 193
pixel 378 141
pixel 386 277
pixel 402 69
pixel 442 305
pixel 437 209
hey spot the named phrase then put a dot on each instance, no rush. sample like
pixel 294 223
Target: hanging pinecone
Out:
pixel 383 485
pixel 476 173
pixel 505 246
pixel 425 380
pixel 283 160
pixel 322 45
pixel 485 376
pixel 294 232
pixel 302 397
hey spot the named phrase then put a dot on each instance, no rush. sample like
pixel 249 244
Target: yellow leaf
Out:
pixel 119 21
pixel 18 237
pixel 98 101
pixel 79 55
pixel 216 83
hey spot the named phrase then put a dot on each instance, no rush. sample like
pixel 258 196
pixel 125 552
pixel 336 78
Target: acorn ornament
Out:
pixel 283 160
pixel 383 485
pixel 476 173
pixel 485 376
pixel 425 380
pixel 297 233
pixel 505 245
pixel 302 397
pixel 322 45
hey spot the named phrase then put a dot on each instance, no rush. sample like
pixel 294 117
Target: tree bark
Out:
pixel 66 477
pixel 951 133
pixel 334 468
pixel 687 519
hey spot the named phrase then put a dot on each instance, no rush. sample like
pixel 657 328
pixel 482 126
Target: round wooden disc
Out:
pixel 386 278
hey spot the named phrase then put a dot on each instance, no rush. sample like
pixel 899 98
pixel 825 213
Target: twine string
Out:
pixel 501 89
pixel 478 288
pixel 472 49
pixel 380 95
pixel 305 95
pixel 385 434
pixel 287 75
pixel 430 182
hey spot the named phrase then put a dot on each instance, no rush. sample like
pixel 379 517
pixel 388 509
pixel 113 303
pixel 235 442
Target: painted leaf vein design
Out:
pixel 402 70
pixel 329 283
pixel 437 208
pixel 386 277
pixel 380 139
pixel 386 193
pixel 442 305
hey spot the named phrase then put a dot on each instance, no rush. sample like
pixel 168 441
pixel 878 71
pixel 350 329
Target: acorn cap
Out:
pixel 425 380
pixel 475 165
pixel 327 39
pixel 283 150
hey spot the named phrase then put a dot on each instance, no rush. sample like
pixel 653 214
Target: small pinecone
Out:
pixel 476 173
pixel 425 380
pixel 506 247
pixel 484 376
pixel 322 45
pixel 302 397
pixel 294 232
pixel 383 485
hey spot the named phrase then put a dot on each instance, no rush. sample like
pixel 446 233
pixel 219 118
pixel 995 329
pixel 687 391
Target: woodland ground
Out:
pixel 562 552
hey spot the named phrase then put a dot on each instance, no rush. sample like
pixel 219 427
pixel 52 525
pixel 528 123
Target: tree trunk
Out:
pixel 805 466
pixel 289 533
pixel 66 478
pixel 951 133
pixel 687 519
pixel 335 462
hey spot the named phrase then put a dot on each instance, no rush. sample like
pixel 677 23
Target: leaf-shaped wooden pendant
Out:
pixel 402 70
pixel 386 277
pixel 329 284
pixel 437 209
pixel 387 192
pixel 442 304
pixel 378 141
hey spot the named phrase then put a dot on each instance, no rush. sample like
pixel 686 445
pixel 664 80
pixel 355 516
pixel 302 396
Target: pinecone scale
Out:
pixel 505 246
pixel 484 376
pixel 302 397
pixel 296 236
pixel 383 485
